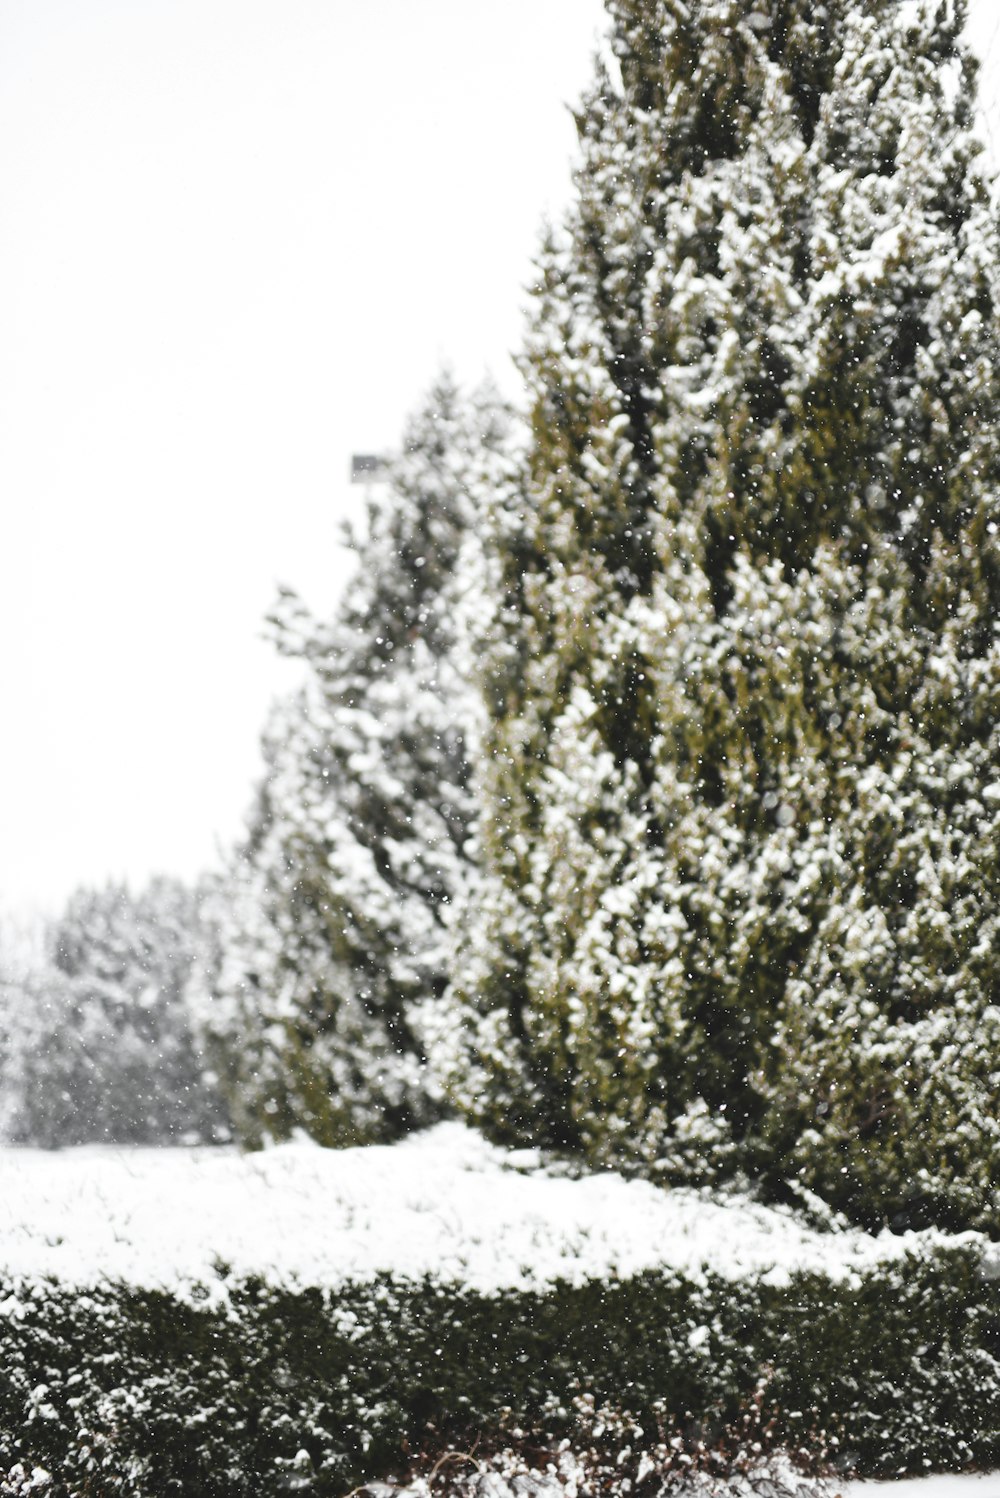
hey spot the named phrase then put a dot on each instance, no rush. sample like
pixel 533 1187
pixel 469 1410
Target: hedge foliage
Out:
pixel 137 1393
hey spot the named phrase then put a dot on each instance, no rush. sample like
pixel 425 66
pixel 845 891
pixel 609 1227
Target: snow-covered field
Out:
pixel 443 1203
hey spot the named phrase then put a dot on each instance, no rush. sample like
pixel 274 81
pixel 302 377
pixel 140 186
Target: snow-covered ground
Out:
pixel 957 1485
pixel 443 1203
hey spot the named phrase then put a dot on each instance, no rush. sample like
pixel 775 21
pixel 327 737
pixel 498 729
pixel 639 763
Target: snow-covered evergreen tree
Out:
pixel 100 1045
pixel 22 953
pixel 743 808
pixel 337 931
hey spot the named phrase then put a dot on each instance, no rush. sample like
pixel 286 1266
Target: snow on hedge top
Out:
pixel 443 1203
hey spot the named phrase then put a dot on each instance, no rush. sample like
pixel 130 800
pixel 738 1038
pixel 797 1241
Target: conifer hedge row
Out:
pixel 136 1392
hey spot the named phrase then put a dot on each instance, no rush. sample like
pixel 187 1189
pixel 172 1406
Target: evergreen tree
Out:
pixel 743 805
pixel 100 1041
pixel 339 909
pixel 21 956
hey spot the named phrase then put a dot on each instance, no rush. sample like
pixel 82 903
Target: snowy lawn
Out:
pixel 443 1203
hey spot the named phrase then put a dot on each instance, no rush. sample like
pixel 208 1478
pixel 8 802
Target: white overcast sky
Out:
pixel 239 238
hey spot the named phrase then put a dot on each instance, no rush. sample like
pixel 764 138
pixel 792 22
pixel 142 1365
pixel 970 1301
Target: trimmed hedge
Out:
pixel 136 1393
